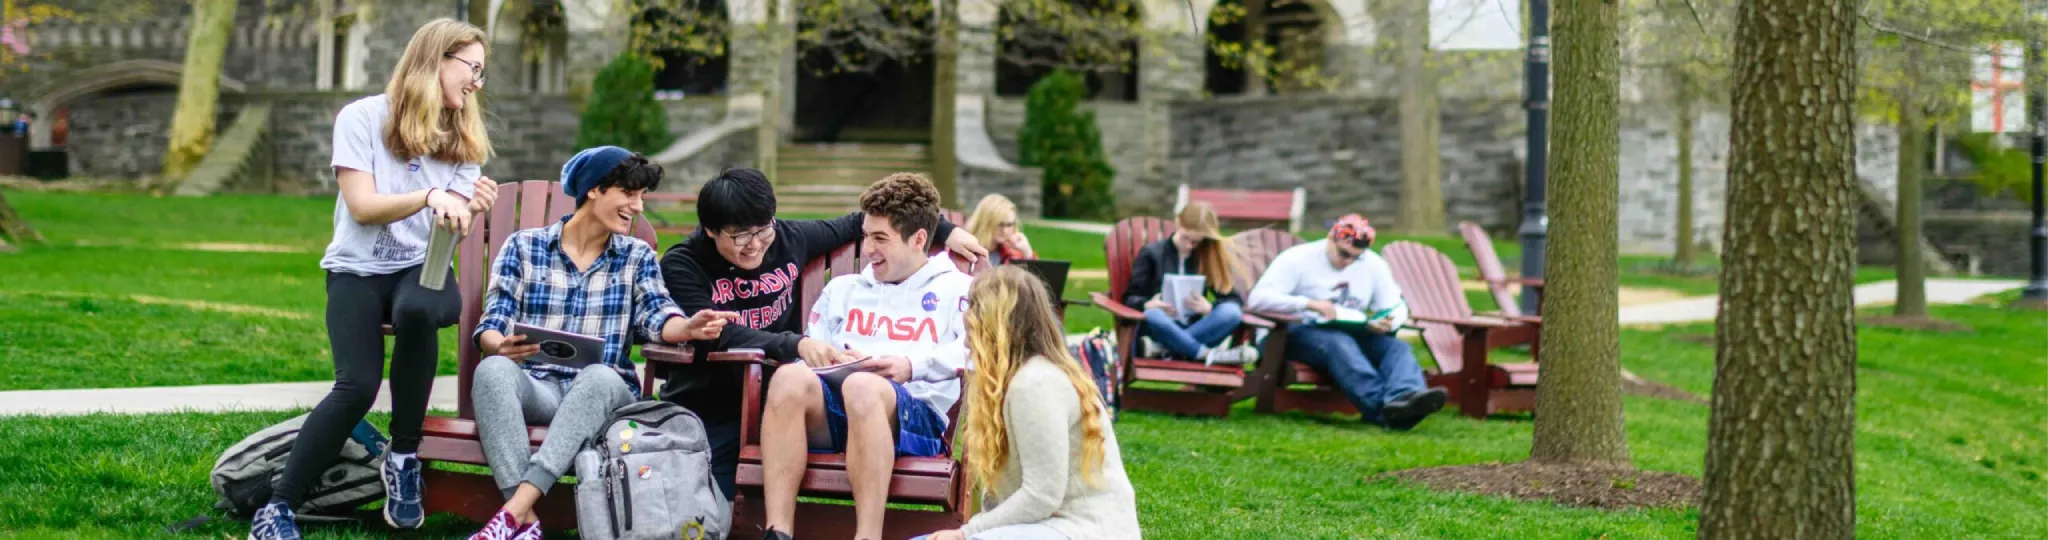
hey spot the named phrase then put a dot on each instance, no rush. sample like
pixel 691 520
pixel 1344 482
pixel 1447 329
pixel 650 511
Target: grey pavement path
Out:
pixel 1077 226
pixel 285 396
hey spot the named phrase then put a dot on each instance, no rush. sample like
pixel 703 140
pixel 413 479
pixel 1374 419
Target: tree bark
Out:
pixel 1683 256
pixel 1422 192
pixel 945 164
pixel 213 22
pixel 14 229
pixel 1781 441
pixel 1912 299
pixel 1256 81
pixel 1578 406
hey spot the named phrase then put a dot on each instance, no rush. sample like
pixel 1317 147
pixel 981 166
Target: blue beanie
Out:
pixel 583 171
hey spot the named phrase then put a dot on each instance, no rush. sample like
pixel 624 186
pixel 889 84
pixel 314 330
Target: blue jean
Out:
pixel 1371 368
pixel 1188 341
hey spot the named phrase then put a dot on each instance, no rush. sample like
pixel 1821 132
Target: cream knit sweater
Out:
pixel 1042 481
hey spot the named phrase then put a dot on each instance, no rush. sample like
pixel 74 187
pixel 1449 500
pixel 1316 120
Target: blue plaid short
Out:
pixel 920 431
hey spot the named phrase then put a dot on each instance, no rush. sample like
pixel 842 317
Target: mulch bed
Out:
pixel 1923 324
pixel 1608 488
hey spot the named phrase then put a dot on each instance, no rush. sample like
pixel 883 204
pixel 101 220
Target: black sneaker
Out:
pixel 1403 413
pixel 274 521
pixel 772 534
pixel 402 487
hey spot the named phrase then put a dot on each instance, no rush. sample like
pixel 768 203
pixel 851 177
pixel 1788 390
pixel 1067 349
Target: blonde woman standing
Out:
pixel 995 221
pixel 1037 435
pixel 406 161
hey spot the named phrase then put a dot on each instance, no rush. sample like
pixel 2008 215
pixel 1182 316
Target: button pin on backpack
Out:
pixel 625 434
pixel 625 447
pixel 646 471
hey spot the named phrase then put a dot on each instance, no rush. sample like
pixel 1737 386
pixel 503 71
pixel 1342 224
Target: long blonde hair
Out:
pixel 419 125
pixel 989 215
pixel 1010 321
pixel 1217 253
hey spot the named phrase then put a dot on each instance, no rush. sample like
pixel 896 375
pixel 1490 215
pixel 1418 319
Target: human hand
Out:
pixel 966 245
pixel 1198 305
pixel 486 195
pixel 707 324
pixel 449 210
pixel 1383 325
pixel 1161 305
pixel 1324 307
pixel 894 368
pixel 816 352
pixel 947 535
pixel 513 346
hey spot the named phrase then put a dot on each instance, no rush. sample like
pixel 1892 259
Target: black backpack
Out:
pixel 243 475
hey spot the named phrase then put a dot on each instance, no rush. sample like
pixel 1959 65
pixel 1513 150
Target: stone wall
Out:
pixel 533 135
pixel 690 114
pixel 121 135
pixel 390 26
pixel 1123 129
pixel 738 149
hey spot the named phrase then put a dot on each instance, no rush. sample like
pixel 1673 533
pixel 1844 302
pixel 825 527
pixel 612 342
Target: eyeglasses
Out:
pixel 1007 224
pixel 476 71
pixel 745 238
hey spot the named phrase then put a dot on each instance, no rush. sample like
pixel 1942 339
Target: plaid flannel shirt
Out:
pixel 620 297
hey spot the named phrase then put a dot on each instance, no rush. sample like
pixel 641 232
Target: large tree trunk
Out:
pixel 1687 244
pixel 1256 81
pixel 213 22
pixel 945 85
pixel 13 229
pixel 1912 300
pixel 1422 192
pixel 1578 406
pixel 1781 442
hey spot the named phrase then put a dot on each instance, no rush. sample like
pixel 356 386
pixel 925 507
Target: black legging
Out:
pixel 357 308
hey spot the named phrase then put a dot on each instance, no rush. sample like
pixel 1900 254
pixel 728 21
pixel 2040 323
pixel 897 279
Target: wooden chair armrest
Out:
pixel 1465 323
pixel 660 353
pixel 1256 321
pixel 1276 318
pixel 1116 308
pixel 1536 282
pixel 1073 302
pixel 751 356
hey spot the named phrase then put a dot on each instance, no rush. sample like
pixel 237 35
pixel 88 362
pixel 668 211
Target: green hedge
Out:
pixel 622 111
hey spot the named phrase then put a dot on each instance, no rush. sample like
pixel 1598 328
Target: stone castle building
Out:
pixel 103 89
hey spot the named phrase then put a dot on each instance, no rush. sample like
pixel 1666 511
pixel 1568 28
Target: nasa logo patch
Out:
pixel 814 318
pixel 412 167
pixel 931 301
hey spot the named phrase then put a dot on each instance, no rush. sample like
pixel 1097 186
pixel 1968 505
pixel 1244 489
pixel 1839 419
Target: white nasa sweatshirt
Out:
pixel 1303 273
pixel 922 318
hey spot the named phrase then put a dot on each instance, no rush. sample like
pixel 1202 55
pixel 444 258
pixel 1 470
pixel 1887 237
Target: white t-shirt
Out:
pixel 1303 273
pixel 369 250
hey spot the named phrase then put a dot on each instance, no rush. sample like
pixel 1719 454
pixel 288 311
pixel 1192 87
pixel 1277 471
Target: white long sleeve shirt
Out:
pixel 1303 274
pixel 923 318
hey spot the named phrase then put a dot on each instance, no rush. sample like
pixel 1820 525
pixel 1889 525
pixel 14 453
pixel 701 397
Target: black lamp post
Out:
pixel 2036 292
pixel 1536 84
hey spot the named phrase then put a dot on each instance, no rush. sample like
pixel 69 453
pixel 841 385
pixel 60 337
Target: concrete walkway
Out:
pixel 1076 226
pixel 285 396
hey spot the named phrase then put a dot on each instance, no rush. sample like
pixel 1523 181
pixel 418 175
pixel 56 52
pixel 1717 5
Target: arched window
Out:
pixel 1293 32
pixel 1097 38
pixel 689 39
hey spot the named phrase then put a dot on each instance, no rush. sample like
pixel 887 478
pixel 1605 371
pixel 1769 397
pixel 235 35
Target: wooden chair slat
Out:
pixel 533 197
pixel 1490 269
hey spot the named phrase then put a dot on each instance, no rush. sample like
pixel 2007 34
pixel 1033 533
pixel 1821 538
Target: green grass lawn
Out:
pixel 1949 444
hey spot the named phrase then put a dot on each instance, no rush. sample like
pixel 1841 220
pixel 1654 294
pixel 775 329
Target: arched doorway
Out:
pixel 866 73
pixel 537 33
pixel 1096 38
pixel 688 65
pixel 115 117
pixel 1296 30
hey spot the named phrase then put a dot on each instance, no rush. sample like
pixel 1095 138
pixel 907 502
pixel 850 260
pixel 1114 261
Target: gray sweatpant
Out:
pixel 507 400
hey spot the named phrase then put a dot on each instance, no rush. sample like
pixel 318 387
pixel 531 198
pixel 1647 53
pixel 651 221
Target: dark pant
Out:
pixel 724 437
pixel 357 308
pixel 1372 368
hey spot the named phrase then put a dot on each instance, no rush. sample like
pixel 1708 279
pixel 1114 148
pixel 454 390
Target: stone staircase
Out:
pixel 828 178
pixel 230 154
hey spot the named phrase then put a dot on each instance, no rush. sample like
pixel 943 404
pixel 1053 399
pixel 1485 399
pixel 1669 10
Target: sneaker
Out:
pixel 1403 413
pixel 1233 356
pixel 274 521
pixel 772 534
pixel 530 532
pixel 503 527
pixel 402 488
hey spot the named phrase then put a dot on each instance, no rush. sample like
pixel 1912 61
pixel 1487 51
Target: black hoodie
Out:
pixel 766 299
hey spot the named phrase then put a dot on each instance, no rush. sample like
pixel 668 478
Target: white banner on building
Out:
pixel 1475 25
pixel 1997 97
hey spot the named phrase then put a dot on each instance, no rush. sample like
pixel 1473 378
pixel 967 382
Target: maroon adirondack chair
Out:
pixel 520 205
pixel 941 481
pixel 1202 390
pixel 1285 385
pixel 1495 275
pixel 1458 340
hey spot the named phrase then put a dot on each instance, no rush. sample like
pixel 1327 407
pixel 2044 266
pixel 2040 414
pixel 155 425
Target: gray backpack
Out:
pixel 648 476
pixel 243 474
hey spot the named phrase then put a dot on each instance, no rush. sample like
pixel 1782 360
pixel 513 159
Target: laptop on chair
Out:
pixel 1053 273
